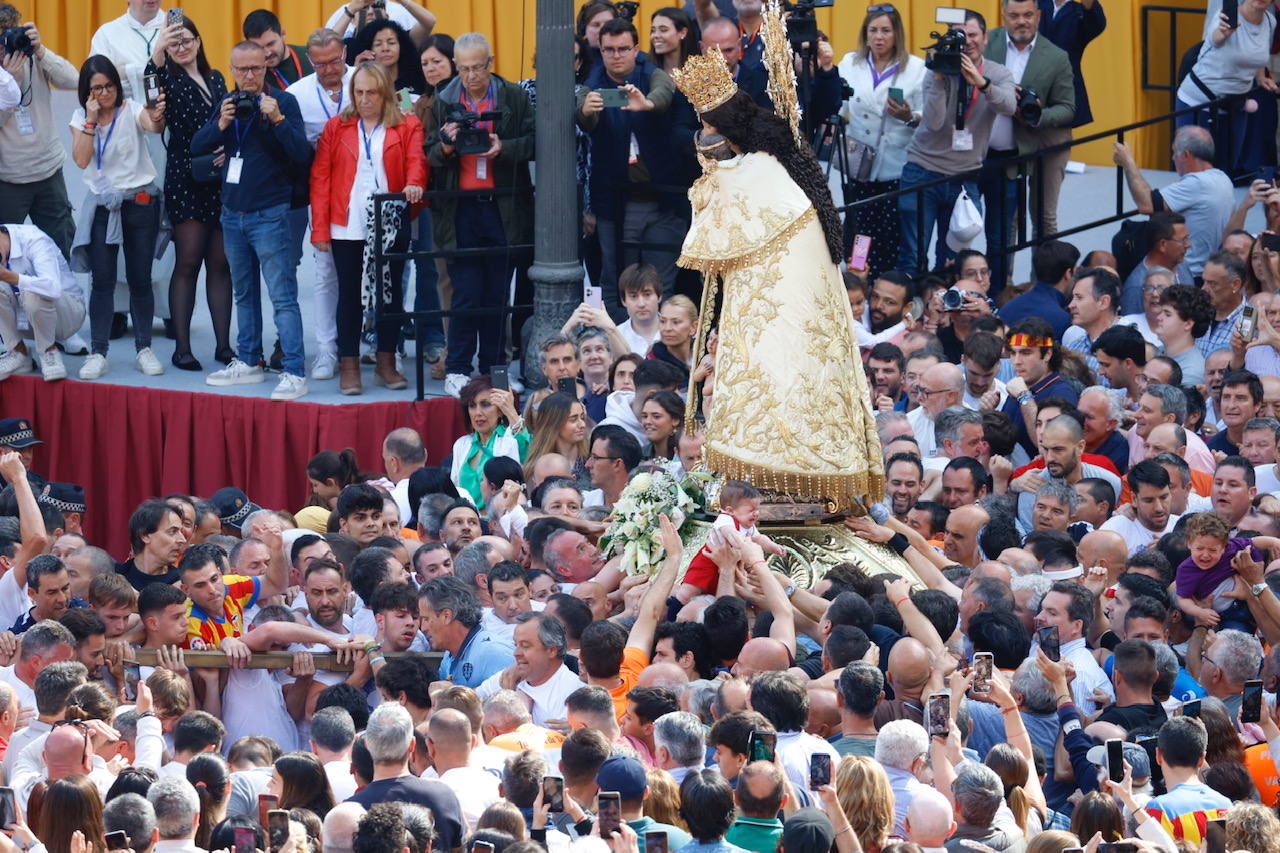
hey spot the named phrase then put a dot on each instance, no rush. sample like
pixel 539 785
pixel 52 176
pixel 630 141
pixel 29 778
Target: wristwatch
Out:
pixel 1258 589
pixel 790 591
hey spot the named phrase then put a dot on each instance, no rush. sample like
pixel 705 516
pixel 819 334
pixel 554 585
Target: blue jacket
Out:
pixel 1072 29
pixel 275 156
pixel 1041 300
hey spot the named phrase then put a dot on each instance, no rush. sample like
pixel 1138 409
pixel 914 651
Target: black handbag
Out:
pixel 203 170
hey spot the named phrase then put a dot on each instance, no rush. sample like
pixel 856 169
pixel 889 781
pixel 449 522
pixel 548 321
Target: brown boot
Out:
pixel 386 374
pixel 349 375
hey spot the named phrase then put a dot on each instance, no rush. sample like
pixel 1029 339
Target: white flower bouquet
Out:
pixel 633 528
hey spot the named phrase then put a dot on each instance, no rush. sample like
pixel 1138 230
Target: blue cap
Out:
pixel 623 774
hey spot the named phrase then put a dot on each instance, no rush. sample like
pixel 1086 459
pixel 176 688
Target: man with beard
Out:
pixel 326 592
pixel 941 387
pixel 1150 484
pixel 885 365
pixel 1062 444
pixel 1121 353
pixel 890 295
pixel 904 481
pixel 460 527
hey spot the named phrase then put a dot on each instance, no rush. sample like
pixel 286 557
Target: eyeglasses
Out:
pixel 332 63
pixel 249 69
pixel 182 44
pixel 1204 656
pixel 924 392
pixel 105 87
pixel 615 51
pixel 593 458
pixel 1154 289
pixel 473 69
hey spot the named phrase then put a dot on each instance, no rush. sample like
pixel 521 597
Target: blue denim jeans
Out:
pixel 936 203
pixel 254 240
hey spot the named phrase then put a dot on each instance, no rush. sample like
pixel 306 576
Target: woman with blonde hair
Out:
pixel 663 803
pixel 560 425
pixel 1252 827
pixel 1052 841
pixel 677 327
pixel 1013 770
pixel 368 148
pixel 867 800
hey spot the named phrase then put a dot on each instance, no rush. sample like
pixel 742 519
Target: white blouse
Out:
pixel 125 163
pixel 371 177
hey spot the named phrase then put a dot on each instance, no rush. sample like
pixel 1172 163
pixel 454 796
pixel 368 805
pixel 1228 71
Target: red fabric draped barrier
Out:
pixel 126 444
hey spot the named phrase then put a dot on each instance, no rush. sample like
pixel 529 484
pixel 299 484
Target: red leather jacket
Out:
pixel 334 169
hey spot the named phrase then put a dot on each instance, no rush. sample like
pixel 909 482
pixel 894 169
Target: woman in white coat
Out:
pixel 880 65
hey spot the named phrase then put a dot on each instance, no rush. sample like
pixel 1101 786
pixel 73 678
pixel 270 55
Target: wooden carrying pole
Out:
pixel 216 659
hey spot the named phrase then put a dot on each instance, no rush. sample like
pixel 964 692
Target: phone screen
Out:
pixel 895 94
pixel 1048 638
pixel 983 663
pixel 655 841
pixel 277 828
pixel 1115 760
pixel 151 89
pixel 118 840
pixel 553 793
pixel 1157 775
pixel 246 840
pixel 763 745
pixel 406 100
pixel 939 714
pixel 8 809
pixel 608 812
pixel 1191 708
pixel 1251 704
pixel 266 803
pixel 819 770
pixel 1271 242
pixel 614 98
pixel 1215 836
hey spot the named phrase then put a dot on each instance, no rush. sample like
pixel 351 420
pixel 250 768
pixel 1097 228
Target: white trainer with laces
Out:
pixel 51 366
pixel 235 373
pixel 94 366
pixel 454 382
pixel 324 366
pixel 147 362
pixel 14 362
pixel 290 388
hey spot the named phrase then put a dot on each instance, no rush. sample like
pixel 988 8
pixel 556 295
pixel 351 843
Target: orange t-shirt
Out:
pixel 633 661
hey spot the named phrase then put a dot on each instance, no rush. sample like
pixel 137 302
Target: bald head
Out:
pixel 666 674
pixel 340 827
pixel 1166 438
pixel 1065 427
pixel 66 752
pixel 991 569
pixel 762 654
pixel 929 818
pixel 941 386
pixel 501 550
pixel 449 732
pixel 549 465
pixel 824 713
pixel 760 790
pixel 909 666
pixel 1020 560
pixel 1103 548
pixel 593 595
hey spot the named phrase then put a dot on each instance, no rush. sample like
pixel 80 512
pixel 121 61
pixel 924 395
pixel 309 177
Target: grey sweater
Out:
pixel 931 146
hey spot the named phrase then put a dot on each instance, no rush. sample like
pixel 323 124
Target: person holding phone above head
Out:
pixel 122 209
pixel 369 147
pixel 413 17
pixel 387 43
pixel 191 88
pixel 887 88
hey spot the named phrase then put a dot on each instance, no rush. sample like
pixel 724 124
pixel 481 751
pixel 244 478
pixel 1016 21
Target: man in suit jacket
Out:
pixel 1071 25
pixel 1036 63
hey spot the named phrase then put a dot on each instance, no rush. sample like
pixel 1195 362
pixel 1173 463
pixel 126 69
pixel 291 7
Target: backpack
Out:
pixel 1130 245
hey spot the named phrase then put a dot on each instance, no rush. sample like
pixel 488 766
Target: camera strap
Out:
pixel 100 148
pixel 968 93
pixel 240 137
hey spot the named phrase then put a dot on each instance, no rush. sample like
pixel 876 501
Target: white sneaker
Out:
pixel 290 388
pixel 147 362
pixel 14 362
pixel 75 345
pixel 94 367
pixel 517 387
pixel 454 382
pixel 235 373
pixel 51 366
pixel 324 365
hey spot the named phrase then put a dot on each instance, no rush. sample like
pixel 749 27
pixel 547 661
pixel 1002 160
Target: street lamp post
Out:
pixel 556 270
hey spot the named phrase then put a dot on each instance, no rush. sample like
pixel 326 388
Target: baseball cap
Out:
pixel 808 831
pixel 623 774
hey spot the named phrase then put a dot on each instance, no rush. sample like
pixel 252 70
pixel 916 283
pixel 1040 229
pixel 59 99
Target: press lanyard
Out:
pixel 878 77
pixel 101 149
pixel 297 66
pixel 144 38
pixel 324 101
pixel 240 137
pixel 368 148
pixel 963 112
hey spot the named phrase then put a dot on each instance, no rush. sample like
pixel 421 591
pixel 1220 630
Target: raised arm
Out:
pixel 898 592
pixel 425 21
pixel 30 523
pixel 784 625
pixel 276 580
pixel 654 604
pixel 1138 186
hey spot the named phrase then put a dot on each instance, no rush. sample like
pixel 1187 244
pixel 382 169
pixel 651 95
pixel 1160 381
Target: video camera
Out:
pixel 246 104
pixel 627 9
pixel 16 40
pixel 802 26
pixel 948 46
pixel 471 139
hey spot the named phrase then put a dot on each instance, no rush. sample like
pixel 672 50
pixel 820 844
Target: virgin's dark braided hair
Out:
pixel 751 128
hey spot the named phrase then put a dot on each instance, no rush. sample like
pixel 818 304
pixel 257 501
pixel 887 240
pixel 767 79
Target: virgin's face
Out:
pixel 386 48
pixel 436 67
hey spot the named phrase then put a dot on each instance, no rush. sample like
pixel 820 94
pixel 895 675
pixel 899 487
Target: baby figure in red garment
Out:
pixel 740 511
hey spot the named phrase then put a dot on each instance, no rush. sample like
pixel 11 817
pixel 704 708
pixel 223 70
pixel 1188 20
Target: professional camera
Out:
pixel 947 48
pixel 471 139
pixel 1029 108
pixel 953 299
pixel 16 40
pixel 246 104
pixel 802 26
pixel 627 9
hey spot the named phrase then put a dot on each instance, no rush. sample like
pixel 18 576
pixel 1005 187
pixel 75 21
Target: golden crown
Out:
pixel 705 80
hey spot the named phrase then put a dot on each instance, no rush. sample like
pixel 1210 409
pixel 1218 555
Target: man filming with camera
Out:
pixel 962 98
pixel 1046 110
pixel 31 154
pixel 484 143
pixel 264 143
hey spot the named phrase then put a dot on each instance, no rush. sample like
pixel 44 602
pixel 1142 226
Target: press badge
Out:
pixel 234 166
pixel 482 168
pixel 25 127
pixel 962 140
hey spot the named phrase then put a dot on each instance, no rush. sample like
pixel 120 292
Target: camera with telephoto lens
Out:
pixel 627 9
pixel 471 139
pixel 1029 108
pixel 16 40
pixel 246 104
pixel 947 48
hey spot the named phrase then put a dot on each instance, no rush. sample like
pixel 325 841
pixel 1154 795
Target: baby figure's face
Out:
pixel 1206 551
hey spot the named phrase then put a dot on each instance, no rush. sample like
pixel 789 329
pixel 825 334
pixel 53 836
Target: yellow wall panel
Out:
pixel 1112 64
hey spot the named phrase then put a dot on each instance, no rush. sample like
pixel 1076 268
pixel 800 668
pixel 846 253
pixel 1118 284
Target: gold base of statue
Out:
pixel 814 548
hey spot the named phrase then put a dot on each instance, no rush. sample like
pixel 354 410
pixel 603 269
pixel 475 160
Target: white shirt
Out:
pixel 1089 676
pixel 253 704
pixel 972 402
pixel 182 845
pixel 477 789
pixel 548 698
pixel 795 750
pixel 1266 479
pixel 14 601
pixel 395 12
pixel 22 738
pixel 39 264
pixel 1139 321
pixel 126 163
pixel 317 107
pixel 1136 536
pixel 400 494
pixel 176 770
pixel 639 343
pixel 342 783
pixel 128 44
pixel 922 429
pixel 10 93
pixel 371 177
pixel 1002 129
pixel 26 696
